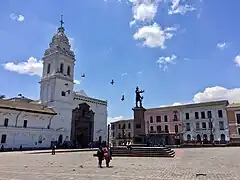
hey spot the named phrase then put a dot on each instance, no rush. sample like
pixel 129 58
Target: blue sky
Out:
pixel 177 51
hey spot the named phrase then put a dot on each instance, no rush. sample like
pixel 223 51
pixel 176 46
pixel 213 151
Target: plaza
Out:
pixel 213 163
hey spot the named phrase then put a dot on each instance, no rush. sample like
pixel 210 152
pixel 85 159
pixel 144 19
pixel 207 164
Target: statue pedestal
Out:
pixel 139 125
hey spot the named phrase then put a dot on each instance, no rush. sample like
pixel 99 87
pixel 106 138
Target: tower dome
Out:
pixel 60 43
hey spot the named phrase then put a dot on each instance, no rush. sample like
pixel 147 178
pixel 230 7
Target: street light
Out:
pixel 211 126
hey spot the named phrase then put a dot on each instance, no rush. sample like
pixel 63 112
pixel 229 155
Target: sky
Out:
pixel 177 51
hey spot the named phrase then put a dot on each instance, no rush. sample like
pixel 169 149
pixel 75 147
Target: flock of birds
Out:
pixel 112 83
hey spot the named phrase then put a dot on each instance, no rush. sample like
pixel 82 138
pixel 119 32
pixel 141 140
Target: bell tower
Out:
pixel 56 85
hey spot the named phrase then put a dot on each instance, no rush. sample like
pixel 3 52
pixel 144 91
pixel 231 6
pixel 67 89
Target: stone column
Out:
pixel 139 125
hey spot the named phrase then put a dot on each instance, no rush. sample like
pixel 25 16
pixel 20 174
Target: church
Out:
pixel 61 115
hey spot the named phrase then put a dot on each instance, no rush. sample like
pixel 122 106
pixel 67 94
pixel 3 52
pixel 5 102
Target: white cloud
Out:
pixel 222 46
pixel 218 93
pixel 215 93
pixel 139 72
pixel 153 35
pixel 144 10
pixel 117 118
pixel 124 74
pixel 17 17
pixel 76 81
pixel 237 60
pixel 164 61
pixel 179 8
pixel 30 67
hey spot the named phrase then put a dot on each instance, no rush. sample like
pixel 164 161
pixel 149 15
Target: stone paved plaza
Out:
pixel 217 163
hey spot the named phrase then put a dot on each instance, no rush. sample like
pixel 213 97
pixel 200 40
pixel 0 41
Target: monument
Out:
pixel 139 122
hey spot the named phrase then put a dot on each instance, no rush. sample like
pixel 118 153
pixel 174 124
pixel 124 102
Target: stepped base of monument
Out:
pixel 143 152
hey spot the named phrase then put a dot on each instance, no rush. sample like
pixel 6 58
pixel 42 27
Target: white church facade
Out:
pixel 73 116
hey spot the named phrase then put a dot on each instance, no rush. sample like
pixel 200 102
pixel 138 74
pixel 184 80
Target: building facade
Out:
pixel 164 125
pixel 26 124
pixel 204 122
pixel 78 119
pixel 233 113
pixel 56 91
pixel 121 132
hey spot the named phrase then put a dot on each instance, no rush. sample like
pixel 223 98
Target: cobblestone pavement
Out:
pixel 216 163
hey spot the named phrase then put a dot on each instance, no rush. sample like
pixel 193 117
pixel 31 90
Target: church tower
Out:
pixel 58 71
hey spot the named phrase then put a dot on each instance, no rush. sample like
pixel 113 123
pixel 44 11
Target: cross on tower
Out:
pixel 61 22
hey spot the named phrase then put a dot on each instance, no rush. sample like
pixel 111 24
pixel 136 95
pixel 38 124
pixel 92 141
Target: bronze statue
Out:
pixel 139 98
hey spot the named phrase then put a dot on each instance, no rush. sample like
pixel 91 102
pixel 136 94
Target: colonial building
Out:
pixel 78 119
pixel 203 122
pixel 164 125
pixel 233 113
pixel 57 84
pixel 27 124
pixel 121 131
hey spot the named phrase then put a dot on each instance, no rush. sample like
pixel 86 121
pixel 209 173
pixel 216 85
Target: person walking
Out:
pixel 107 155
pixel 100 155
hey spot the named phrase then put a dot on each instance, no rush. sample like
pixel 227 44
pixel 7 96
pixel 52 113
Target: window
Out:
pixel 221 125
pixel 68 71
pixel 113 134
pixel 63 93
pixel 209 113
pixel 203 115
pixel 165 118
pixel 204 126
pixel 238 131
pixel 187 115
pixel 166 128
pixel 4 138
pixel 119 135
pixel 6 122
pixel 112 127
pixel 238 118
pixel 61 68
pixel 176 128
pixel 129 125
pixel 151 119
pixel 138 126
pixel 188 127
pixel 123 126
pixel 129 134
pixel 158 118
pixel 48 68
pixel 25 123
pixel 151 128
pixel 188 137
pixel 197 125
pixel 119 126
pixel 220 113
pixel 159 129
pixel 196 115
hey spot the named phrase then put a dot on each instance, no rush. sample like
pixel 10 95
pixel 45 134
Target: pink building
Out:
pixel 164 125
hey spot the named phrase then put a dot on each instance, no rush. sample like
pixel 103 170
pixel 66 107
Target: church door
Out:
pixel 82 125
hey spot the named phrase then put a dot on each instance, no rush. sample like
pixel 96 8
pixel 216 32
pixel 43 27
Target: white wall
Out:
pixel 215 120
pixel 100 118
pixel 17 135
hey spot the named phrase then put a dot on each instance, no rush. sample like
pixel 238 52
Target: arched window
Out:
pixel 68 70
pixel 48 68
pixel 188 137
pixel 61 68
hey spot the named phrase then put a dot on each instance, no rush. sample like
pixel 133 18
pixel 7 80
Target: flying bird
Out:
pixel 83 75
pixel 122 99
pixel 112 82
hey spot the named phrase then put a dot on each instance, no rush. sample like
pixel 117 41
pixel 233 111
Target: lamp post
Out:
pixel 108 134
pixel 123 133
pixel 211 126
